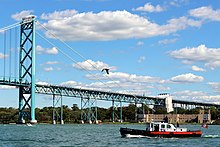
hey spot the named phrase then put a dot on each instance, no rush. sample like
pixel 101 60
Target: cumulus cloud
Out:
pixel 181 23
pixel 116 86
pixel 58 15
pixel 213 64
pixel 92 65
pixel 196 96
pixel 199 54
pixel 206 13
pixel 109 25
pixel 150 8
pixel 187 78
pixel 18 16
pixel 70 84
pixel 178 3
pixel 42 83
pixel 125 77
pixel 144 89
pixel 120 82
pixel 167 41
pixel 41 50
pixel 215 86
pixel 6 87
pixel 196 68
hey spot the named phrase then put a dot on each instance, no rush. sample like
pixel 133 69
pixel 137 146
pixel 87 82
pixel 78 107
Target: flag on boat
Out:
pixel 205 125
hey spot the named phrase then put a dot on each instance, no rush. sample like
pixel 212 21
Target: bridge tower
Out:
pixel 27 71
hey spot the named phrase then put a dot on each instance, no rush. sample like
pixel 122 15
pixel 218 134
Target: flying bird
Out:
pixel 106 70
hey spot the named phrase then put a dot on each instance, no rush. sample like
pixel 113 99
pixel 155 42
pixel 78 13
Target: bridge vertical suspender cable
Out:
pixel 4 56
pixel 10 54
pixel 16 52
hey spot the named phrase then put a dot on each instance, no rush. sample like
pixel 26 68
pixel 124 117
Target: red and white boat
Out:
pixel 160 129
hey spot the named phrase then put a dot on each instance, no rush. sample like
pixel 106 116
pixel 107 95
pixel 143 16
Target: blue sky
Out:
pixel 150 47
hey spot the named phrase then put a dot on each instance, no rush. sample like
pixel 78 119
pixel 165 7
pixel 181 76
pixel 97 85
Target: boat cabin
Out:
pixel 163 127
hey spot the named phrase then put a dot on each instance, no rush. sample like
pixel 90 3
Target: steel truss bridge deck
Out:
pixel 98 95
pixel 86 93
pixel 195 103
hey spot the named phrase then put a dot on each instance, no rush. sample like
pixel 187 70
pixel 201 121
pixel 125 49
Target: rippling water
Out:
pixel 96 135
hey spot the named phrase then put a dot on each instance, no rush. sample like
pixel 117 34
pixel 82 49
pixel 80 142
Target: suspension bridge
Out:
pixel 23 77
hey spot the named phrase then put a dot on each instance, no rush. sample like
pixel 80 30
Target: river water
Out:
pixel 97 135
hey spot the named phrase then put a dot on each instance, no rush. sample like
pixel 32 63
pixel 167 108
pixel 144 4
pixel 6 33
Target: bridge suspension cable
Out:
pixel 67 55
pixel 10 27
pixel 68 46
pixel 10 51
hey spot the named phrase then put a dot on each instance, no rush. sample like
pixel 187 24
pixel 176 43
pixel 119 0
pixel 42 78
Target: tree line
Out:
pixel 73 114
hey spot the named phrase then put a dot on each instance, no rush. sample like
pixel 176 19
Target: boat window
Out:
pixel 168 126
pixel 156 127
pixel 162 126
pixel 148 125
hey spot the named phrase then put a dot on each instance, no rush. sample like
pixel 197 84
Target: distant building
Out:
pixel 180 118
pixel 168 101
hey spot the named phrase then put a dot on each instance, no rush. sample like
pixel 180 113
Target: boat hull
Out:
pixel 135 132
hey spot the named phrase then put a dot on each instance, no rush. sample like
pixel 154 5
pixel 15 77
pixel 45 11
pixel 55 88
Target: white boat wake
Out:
pixel 210 136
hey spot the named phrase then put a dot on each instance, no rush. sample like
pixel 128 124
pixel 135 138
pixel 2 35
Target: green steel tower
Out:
pixel 27 71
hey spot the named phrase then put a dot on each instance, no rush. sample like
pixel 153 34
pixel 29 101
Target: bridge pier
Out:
pixel 56 116
pixel 88 109
pixel 115 116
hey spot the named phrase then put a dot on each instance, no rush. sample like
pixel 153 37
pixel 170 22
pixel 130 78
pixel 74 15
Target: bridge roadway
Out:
pixel 99 95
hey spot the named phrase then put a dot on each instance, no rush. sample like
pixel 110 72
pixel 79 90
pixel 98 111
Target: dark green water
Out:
pixel 96 135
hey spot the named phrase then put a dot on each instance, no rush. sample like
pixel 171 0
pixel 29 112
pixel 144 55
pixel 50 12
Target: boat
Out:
pixel 161 130
pixel 29 125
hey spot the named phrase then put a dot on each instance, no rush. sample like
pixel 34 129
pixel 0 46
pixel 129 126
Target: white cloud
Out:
pixel 213 64
pixel 181 23
pixel 150 8
pixel 42 83
pixel 2 56
pixel 120 82
pixel 52 62
pixel 6 87
pixel 58 15
pixel 215 86
pixel 187 78
pixel 70 84
pixel 199 54
pixel 53 51
pixel 196 96
pixel 140 43
pixel 178 3
pixel 141 59
pixel 189 93
pixel 109 25
pixel 47 69
pixel 167 41
pixel 116 86
pixel 18 16
pixel 196 68
pixel 125 77
pixel 41 50
pixel 143 89
pixel 92 65
pixel 187 62
pixel 206 13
